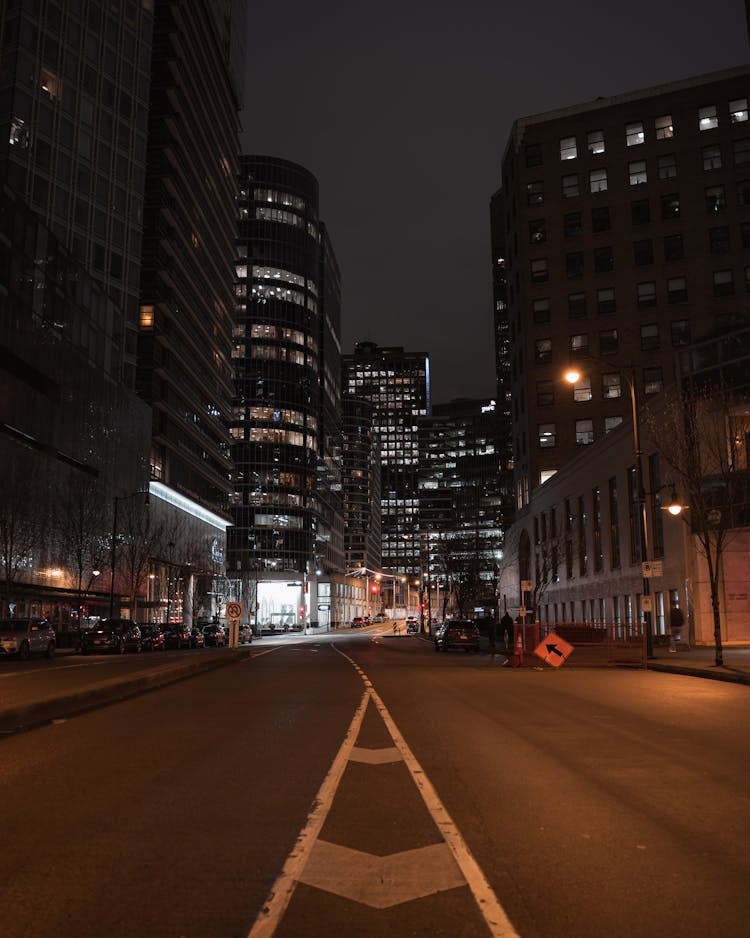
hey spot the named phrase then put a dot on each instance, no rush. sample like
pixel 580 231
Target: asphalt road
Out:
pixel 369 786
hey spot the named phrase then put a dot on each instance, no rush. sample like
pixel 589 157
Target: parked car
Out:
pixel 214 635
pixel 380 617
pixel 152 638
pixel 458 633
pixel 358 622
pixel 412 624
pixel 26 637
pixel 197 639
pixel 117 635
pixel 178 635
pixel 245 634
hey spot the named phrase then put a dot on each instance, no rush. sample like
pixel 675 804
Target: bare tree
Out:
pixel 22 520
pixel 81 527
pixel 140 539
pixel 697 436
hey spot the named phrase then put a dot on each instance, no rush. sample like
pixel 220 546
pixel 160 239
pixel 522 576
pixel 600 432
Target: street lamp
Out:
pixel 572 376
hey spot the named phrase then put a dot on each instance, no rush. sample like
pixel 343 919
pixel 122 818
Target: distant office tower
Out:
pixel 286 426
pixel 397 383
pixel 621 235
pixel 74 94
pixel 462 503
pixel 187 302
pixel 361 479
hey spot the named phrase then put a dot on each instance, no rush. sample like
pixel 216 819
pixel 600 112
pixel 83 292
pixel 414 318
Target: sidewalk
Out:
pixel 701 662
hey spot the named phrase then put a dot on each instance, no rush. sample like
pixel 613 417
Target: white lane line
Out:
pixel 281 892
pixel 494 915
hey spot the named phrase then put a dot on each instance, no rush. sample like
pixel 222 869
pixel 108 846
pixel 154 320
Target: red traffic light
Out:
pixel 374 588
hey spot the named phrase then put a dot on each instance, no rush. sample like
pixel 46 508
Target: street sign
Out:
pixel 554 650
pixel 652 568
pixel 234 610
pixel 647 604
pixel 522 611
pixel 526 586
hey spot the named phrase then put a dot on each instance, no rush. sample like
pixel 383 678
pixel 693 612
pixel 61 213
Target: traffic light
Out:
pixel 374 588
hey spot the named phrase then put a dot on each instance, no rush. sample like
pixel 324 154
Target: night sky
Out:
pixel 402 111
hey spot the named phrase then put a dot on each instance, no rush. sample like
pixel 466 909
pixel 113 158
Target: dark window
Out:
pixel 745 234
pixel 539 271
pixel 667 165
pixel 604 260
pixel 572 224
pixel 677 290
pixel 653 382
pixel 718 240
pixel 545 393
pixel 712 157
pixel 723 283
pixel 650 337
pixel 535 193
pixel 643 252
pixel 600 220
pixel 741 151
pixel 680 330
pixel 640 212
pixel 541 310
pixel 534 154
pixel 537 231
pixel 577 305
pixel 608 342
pixel 574 265
pixel 715 199
pixel 673 248
pixel 605 300
pixel 743 192
pixel 670 205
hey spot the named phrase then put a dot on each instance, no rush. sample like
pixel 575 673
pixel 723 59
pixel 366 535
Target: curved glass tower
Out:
pixel 286 342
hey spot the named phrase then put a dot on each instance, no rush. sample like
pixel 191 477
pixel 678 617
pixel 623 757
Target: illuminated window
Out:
pixel 582 389
pixel 596 141
pixel 738 111
pixel 568 149
pixel 535 193
pixel 707 118
pixel 584 432
pixel 579 344
pixel 634 134
pixel 611 386
pixel 147 317
pixel 663 127
pixel 546 434
pixel 611 422
pixel 715 199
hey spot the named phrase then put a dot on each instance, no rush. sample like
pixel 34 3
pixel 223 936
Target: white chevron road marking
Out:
pixel 375 756
pixel 382 882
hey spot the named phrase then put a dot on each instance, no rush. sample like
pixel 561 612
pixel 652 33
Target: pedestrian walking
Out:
pixel 506 627
pixel 676 622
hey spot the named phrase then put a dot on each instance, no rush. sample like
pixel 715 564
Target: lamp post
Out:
pixel 572 376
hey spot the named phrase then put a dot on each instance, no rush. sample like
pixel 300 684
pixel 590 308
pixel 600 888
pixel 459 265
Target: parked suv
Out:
pixel 457 633
pixel 25 637
pixel 117 635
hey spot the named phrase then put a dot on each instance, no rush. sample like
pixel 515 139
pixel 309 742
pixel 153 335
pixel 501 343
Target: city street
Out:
pixel 363 784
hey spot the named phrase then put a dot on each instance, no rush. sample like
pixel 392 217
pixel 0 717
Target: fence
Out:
pixel 601 644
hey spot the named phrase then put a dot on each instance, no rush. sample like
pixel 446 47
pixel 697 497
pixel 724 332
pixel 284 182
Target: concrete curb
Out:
pixel 711 672
pixel 34 714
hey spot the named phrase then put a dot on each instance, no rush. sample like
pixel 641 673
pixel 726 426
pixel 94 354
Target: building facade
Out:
pixel 461 506
pixel 620 236
pixel 74 88
pixel 361 474
pixel 287 535
pixel 397 383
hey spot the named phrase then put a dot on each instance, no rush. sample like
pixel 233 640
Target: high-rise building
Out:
pixel 620 235
pixel 74 98
pixel 361 475
pixel 186 302
pixel 286 430
pixel 397 383
pixel 461 504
